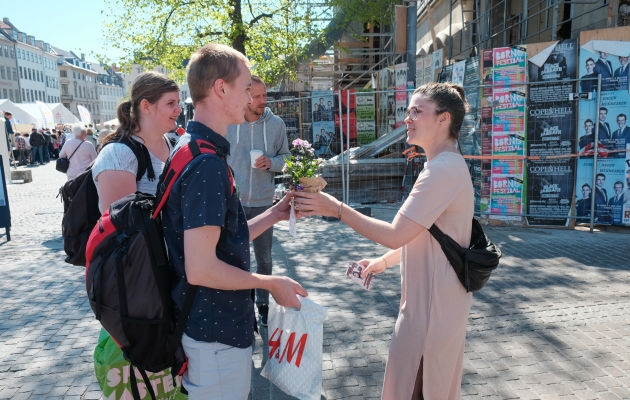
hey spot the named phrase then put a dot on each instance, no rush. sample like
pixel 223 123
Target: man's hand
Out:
pixel 285 290
pixel 263 162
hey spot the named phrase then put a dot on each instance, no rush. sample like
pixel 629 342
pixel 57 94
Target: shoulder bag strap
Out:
pixel 75 150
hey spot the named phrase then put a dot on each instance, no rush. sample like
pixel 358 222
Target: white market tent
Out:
pixel 62 114
pixel 111 122
pixel 20 116
pixel 33 110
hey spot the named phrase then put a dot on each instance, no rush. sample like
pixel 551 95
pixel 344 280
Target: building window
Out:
pixel 63 73
pixel 29 74
pixel 11 94
pixel 2 76
pixel 67 105
pixel 74 75
pixel 64 89
pixel 21 76
pixel 12 52
pixel 6 51
pixel 5 93
pixel 15 74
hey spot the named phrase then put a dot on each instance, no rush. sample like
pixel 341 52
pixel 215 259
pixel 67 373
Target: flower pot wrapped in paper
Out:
pixel 302 167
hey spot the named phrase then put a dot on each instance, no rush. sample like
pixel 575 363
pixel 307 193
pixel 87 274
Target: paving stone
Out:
pixel 552 322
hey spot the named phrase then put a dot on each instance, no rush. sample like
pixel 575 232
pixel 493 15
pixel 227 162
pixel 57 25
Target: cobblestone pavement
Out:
pixel 553 322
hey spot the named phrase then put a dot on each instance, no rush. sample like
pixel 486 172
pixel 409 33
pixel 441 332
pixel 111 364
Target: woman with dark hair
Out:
pixel 151 112
pixel 427 347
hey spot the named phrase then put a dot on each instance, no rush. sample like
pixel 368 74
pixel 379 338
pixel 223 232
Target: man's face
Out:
pixel 586 192
pixel 238 95
pixel 618 188
pixel 321 101
pixel 329 104
pixel 621 121
pixel 259 98
pixel 588 127
pixel 600 181
pixel 603 55
pixel 590 65
pixel 623 60
pixel 603 114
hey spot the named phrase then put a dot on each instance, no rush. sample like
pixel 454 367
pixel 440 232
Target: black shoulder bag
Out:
pixel 473 264
pixel 63 163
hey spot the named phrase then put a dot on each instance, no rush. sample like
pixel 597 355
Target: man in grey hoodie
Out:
pixel 262 130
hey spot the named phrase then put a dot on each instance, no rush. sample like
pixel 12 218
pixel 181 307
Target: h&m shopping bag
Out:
pixel 296 338
pixel 112 373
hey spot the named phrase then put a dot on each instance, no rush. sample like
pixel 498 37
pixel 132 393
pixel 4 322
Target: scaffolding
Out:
pixel 502 23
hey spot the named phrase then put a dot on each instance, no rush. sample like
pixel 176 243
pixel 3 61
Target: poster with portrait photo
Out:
pixel 323 105
pixel 608 58
pixel 610 184
pixel 459 69
pixel 612 118
pixel 420 71
pixel 323 136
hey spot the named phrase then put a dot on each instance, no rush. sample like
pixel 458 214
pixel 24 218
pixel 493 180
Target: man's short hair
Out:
pixel 257 79
pixel 603 109
pixel 600 174
pixel 211 62
pixel 588 120
pixel 622 115
pixel 618 183
pixel 586 185
pixel 7 113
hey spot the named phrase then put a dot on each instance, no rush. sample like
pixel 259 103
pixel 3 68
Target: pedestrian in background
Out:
pixel 46 150
pixel 90 135
pixel 20 144
pixel 37 141
pixel 427 349
pixel 80 152
pixel 262 130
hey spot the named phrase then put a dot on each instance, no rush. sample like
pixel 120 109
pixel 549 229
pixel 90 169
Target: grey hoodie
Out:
pixel 269 134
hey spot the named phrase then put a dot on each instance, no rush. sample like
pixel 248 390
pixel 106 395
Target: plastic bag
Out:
pixel 112 373
pixel 296 338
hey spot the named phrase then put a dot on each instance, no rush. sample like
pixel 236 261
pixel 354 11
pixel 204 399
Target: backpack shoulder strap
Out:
pixel 437 233
pixel 142 155
pixel 176 165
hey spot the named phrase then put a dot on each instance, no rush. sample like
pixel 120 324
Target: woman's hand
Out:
pixel 316 204
pixel 373 265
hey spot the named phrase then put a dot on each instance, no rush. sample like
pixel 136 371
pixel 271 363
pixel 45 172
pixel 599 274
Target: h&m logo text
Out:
pixel 290 347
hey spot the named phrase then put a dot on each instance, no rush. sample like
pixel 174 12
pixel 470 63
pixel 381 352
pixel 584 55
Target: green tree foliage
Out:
pixel 274 34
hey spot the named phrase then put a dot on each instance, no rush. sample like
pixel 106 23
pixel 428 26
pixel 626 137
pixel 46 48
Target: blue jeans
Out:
pixel 262 251
pixel 46 152
pixel 37 154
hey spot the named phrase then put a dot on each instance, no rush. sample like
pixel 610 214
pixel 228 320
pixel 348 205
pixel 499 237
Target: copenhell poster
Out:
pixel 555 63
pixel 550 129
pixel 549 191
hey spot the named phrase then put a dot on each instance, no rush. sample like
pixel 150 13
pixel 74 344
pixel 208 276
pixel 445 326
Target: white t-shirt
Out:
pixel 119 157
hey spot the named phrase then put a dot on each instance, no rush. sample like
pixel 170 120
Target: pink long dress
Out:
pixel 434 305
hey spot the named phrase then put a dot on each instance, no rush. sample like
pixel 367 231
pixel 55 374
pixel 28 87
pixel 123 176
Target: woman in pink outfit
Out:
pixel 427 348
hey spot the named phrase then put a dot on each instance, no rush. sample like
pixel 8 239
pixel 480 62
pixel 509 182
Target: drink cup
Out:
pixel 254 155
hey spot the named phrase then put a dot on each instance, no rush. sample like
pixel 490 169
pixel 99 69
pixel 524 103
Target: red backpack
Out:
pixel 128 275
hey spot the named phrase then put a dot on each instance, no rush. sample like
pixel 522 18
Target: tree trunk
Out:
pixel 238 35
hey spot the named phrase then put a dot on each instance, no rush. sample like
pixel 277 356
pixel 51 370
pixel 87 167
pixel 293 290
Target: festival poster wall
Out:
pixel 366 128
pixel 549 191
pixel 506 197
pixel 611 175
pixel 401 93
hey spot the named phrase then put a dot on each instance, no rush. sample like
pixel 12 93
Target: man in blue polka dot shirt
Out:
pixel 208 236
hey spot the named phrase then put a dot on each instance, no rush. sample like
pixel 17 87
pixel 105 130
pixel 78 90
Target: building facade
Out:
pixel 36 66
pixel 9 82
pixel 78 83
pixel 110 92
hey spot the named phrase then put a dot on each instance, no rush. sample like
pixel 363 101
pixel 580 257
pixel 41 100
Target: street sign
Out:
pixel 581 96
pixel 5 213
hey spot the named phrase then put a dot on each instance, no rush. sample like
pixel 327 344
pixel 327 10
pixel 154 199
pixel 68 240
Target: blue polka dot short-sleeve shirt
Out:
pixel 201 196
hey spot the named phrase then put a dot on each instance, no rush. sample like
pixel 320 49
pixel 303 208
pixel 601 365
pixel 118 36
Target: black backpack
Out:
pixel 80 216
pixel 128 275
pixel 473 264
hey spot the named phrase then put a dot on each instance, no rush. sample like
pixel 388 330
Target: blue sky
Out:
pixel 76 26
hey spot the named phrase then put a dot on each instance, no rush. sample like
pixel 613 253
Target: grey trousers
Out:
pixel 262 251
